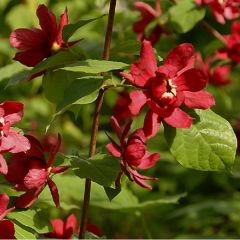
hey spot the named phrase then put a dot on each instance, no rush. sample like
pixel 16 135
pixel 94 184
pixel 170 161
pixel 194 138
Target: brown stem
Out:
pixel 95 123
pixel 214 32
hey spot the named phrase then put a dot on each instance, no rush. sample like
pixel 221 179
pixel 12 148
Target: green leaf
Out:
pixel 112 192
pixel 70 29
pixel 31 218
pixel 124 201
pixel 209 145
pixel 22 233
pixel 127 47
pixel 185 15
pixel 95 66
pixel 11 69
pixel 55 83
pixel 58 60
pixel 17 78
pixel 101 168
pixel 83 90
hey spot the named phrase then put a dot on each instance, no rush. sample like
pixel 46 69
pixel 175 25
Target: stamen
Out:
pixel 55 47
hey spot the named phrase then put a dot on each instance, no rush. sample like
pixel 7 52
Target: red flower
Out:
pixel 36 44
pixel 148 15
pixel 166 88
pixel 11 140
pixel 229 9
pixel 232 49
pixel 31 172
pixel 218 75
pixel 7 230
pixel 120 109
pixel 133 153
pixel 66 230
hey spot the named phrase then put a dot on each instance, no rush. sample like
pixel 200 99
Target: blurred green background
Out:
pixel 209 206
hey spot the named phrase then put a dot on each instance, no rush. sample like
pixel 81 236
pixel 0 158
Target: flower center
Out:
pixel 221 2
pixel 2 123
pixel 49 170
pixel 171 90
pixel 55 47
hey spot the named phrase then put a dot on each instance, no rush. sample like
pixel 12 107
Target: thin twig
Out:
pixel 95 123
pixel 214 32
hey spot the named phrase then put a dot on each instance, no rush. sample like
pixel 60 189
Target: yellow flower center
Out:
pixel 55 47
pixel 171 90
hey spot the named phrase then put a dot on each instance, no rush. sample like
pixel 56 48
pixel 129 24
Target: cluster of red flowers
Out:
pixel 222 9
pixel 148 15
pixel 164 90
pixel 66 230
pixel 28 169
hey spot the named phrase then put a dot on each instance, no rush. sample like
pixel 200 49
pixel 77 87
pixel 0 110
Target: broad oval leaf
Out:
pixel 11 70
pixel 83 90
pixel 58 60
pixel 185 15
pixel 101 168
pixel 95 66
pixel 22 233
pixel 31 218
pixel 209 145
pixel 56 82
pixel 70 29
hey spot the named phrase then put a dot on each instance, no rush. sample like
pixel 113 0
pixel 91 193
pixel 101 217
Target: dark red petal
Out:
pixel 179 119
pixel 134 152
pixel 147 15
pixel 138 134
pixel 54 151
pixel 201 100
pixel 94 229
pixel 36 175
pixel 36 149
pixel 3 165
pixel 120 110
pixel 15 142
pixel 149 160
pixel 159 85
pixel 4 200
pixel 192 80
pixel 58 229
pixel 54 192
pixel 28 198
pixel 32 57
pixel 138 100
pixel 179 58
pixel 220 75
pixel 222 53
pixel 71 223
pixel 63 22
pixel 13 111
pixel 116 127
pixel 48 22
pixel 114 150
pixel 139 179
pixel 218 15
pixel 59 169
pixel 18 168
pixel 151 124
pixel 28 39
pixel 144 69
pixel 235 28
pixel 125 132
pixel 164 111
pixel 7 230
